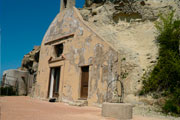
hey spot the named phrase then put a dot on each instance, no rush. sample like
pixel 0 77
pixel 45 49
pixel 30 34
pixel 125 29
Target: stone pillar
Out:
pixel 51 84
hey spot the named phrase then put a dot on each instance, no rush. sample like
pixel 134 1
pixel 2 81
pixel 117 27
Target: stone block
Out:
pixel 120 111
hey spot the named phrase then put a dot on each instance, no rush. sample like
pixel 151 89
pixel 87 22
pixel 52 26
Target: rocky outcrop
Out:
pixel 88 3
pixel 30 61
pixel 130 10
pixel 129 26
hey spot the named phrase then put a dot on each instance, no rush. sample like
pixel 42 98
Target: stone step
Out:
pixel 79 103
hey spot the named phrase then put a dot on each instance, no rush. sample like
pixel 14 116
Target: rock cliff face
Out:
pixel 129 26
pixel 131 9
pixel 30 61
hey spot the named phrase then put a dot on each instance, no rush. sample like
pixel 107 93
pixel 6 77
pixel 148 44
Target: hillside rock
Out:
pixel 88 3
pixel 129 26
pixel 130 10
pixel 30 60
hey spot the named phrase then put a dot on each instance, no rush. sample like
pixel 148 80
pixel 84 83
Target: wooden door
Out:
pixel 84 82
pixel 56 82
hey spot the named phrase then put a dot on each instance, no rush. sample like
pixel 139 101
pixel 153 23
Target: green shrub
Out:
pixel 172 104
pixel 165 77
pixel 170 107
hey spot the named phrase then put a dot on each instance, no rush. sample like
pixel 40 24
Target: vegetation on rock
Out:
pixel 164 80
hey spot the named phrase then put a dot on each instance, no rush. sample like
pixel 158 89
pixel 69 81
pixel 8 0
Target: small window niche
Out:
pixel 59 50
pixel 65 3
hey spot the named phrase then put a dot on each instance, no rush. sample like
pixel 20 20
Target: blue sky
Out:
pixel 23 24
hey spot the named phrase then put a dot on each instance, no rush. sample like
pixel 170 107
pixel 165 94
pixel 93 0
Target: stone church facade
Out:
pixel 76 64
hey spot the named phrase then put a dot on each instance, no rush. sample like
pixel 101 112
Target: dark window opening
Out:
pixel 59 50
pixel 65 3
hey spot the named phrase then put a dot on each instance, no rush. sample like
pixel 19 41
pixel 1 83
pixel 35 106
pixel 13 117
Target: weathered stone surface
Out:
pixel 130 10
pixel 129 27
pixel 21 81
pixel 88 3
pixel 83 48
pixel 30 61
pixel 120 111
